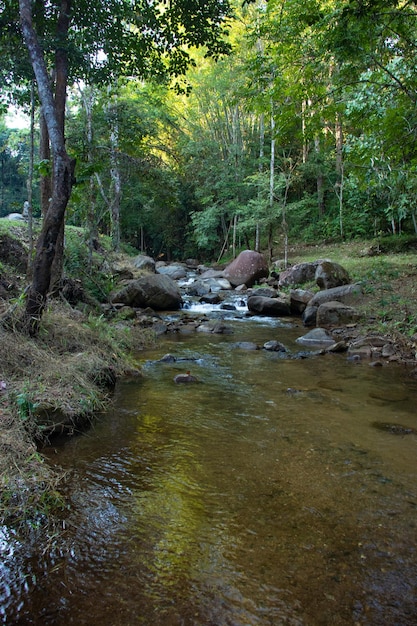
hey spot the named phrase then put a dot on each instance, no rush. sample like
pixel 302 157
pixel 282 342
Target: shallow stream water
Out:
pixel 262 495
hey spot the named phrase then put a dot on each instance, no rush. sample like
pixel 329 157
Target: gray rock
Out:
pixel 299 298
pixel 329 274
pixel 274 307
pixel 344 293
pixel 274 346
pixel 15 217
pixel 316 337
pixel 335 313
pixel 309 316
pixel 174 271
pixel 153 290
pixel 215 327
pixel 144 262
pixel 298 274
pixel 210 273
pixel 211 298
pixel 247 345
pixel 203 286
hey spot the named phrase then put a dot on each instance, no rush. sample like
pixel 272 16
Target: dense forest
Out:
pixel 276 121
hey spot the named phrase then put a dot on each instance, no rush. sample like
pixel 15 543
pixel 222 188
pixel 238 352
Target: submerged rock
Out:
pixel 316 337
pixel 185 378
pixel 274 346
pixel 394 429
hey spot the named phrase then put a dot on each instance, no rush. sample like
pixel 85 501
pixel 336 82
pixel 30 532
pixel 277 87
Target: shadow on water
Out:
pixel 261 495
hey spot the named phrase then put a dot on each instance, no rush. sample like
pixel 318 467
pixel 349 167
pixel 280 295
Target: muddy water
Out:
pixel 262 495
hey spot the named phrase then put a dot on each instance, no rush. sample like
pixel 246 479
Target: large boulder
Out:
pixel 299 298
pixel 246 269
pixel 309 315
pixel 153 290
pixel 176 271
pixel 202 286
pixel 344 293
pixel 335 313
pixel 15 217
pixel 329 275
pixel 298 274
pixel 273 307
pixel 144 262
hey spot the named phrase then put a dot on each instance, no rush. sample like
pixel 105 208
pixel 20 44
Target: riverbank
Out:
pixel 63 378
pixel 57 382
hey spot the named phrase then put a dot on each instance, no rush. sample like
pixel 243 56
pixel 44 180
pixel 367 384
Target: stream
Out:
pixel 269 492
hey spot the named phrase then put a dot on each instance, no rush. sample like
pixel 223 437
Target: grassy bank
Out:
pixel 59 381
pixel 387 270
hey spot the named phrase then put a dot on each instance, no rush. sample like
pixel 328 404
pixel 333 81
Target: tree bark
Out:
pixel 63 169
pixel 260 171
pixel 29 182
pixel 61 81
pixel 271 183
pixel 339 170
pixel 44 156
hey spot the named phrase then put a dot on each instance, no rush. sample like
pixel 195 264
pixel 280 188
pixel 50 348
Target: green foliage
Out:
pixel 13 154
pixel 77 265
pixel 25 406
pixel 397 244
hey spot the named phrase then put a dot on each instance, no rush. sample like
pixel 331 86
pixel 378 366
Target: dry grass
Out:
pixel 57 382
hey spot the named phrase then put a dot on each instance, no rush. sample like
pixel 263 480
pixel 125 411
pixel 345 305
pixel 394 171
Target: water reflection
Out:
pixel 263 495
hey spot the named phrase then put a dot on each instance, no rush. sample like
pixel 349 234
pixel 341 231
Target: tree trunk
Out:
pixel 45 158
pixel 61 81
pixel 271 183
pixel 339 170
pixel 63 169
pixel 260 170
pixel 29 183
pixel 116 184
pixel 87 98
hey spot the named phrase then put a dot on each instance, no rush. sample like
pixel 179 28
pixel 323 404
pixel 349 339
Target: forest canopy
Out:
pixel 203 127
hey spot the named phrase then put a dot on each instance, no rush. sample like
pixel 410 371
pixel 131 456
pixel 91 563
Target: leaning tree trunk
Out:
pixel 63 169
pixel 47 242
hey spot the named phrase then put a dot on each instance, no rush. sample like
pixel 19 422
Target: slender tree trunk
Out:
pixel 61 81
pixel 320 179
pixel 44 157
pixel 413 217
pixel 234 235
pixel 116 184
pixel 63 170
pixel 339 170
pixel 260 170
pixel 87 98
pixel 30 180
pixel 271 184
pixel 304 106
pixel 117 190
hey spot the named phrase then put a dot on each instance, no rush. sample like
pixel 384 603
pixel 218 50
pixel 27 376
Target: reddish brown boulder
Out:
pixel 246 269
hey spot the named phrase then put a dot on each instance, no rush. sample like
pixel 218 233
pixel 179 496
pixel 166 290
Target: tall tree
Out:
pixel 103 40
